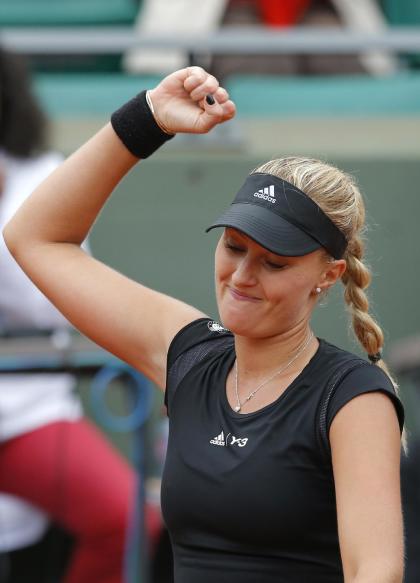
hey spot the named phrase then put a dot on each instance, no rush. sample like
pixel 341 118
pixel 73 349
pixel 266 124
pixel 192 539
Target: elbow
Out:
pixel 11 238
pixel 16 241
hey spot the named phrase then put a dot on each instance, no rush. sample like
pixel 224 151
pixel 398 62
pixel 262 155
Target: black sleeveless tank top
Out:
pixel 249 498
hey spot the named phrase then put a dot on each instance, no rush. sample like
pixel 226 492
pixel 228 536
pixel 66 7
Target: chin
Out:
pixel 241 318
pixel 239 324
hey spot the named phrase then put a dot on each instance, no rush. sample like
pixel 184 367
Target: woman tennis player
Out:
pixel 284 450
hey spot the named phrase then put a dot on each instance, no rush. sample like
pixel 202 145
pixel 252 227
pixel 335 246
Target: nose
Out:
pixel 244 274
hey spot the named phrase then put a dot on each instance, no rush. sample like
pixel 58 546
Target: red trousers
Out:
pixel 69 470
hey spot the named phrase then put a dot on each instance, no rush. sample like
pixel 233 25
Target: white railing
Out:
pixel 228 40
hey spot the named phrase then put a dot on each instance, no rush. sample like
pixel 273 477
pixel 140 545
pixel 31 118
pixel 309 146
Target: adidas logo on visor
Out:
pixel 266 193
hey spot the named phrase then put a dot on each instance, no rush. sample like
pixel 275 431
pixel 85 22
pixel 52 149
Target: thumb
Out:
pixel 211 115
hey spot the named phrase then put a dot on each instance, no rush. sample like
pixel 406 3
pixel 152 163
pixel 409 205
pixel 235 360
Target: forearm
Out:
pixel 377 578
pixel 64 207
pixel 383 573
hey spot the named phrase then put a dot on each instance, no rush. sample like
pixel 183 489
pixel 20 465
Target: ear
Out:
pixel 333 271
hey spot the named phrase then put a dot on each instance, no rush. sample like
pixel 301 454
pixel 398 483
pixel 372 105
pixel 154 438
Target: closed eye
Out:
pixel 272 265
pixel 233 248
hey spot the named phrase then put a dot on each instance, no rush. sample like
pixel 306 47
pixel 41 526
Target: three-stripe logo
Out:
pixel 266 193
pixel 219 439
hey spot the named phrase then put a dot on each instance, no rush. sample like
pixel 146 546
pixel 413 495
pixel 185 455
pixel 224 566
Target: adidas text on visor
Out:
pixel 281 218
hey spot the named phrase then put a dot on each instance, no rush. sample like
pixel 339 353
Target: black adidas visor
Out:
pixel 281 218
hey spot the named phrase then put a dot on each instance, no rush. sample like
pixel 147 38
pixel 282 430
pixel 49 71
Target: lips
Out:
pixel 241 296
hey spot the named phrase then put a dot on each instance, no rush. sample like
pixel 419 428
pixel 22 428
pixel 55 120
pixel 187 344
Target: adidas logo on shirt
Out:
pixel 266 193
pixel 219 439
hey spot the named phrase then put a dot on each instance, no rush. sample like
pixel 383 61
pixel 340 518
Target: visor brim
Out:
pixel 267 229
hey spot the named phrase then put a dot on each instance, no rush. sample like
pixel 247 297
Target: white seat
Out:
pixel 21 524
pixel 175 17
pixel 366 15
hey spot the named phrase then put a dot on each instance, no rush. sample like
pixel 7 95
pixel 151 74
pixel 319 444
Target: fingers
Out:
pixel 199 83
pixel 210 85
pixel 215 112
pixel 221 95
pixel 229 110
pixel 194 76
pixel 180 101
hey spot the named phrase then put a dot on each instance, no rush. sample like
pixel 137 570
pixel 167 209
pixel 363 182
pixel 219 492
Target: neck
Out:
pixel 258 357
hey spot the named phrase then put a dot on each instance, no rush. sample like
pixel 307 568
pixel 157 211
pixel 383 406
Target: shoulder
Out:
pixel 336 355
pixel 352 376
pixel 190 347
pixel 199 332
pixel 332 365
pixel 341 376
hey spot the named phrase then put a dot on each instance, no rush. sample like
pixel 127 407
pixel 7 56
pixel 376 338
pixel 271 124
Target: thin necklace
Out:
pixel 260 386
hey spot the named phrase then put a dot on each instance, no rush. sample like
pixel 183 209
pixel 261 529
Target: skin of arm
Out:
pixel 126 318
pixel 365 445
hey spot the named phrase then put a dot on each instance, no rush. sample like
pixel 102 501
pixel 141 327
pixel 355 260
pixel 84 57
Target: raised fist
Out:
pixel 191 101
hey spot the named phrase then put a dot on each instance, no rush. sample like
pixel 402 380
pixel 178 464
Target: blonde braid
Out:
pixel 356 279
pixel 339 197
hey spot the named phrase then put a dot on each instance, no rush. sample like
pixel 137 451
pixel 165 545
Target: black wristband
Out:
pixel 136 127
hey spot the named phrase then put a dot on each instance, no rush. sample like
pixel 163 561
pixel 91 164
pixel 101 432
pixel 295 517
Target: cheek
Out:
pixel 302 281
pixel 291 289
pixel 223 266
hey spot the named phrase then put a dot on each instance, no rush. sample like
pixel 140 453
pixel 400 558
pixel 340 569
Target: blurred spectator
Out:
pixel 54 465
pixel 363 15
pixel 285 13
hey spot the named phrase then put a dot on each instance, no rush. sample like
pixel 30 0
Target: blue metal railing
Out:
pixel 41 353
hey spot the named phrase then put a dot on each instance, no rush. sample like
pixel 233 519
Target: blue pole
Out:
pixel 136 568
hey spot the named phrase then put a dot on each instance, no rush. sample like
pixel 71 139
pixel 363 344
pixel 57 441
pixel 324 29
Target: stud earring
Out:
pixel 318 290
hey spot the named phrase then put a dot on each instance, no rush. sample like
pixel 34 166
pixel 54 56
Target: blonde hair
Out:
pixel 337 194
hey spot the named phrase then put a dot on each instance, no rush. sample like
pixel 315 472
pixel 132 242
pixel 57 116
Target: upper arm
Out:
pixel 135 323
pixel 365 445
